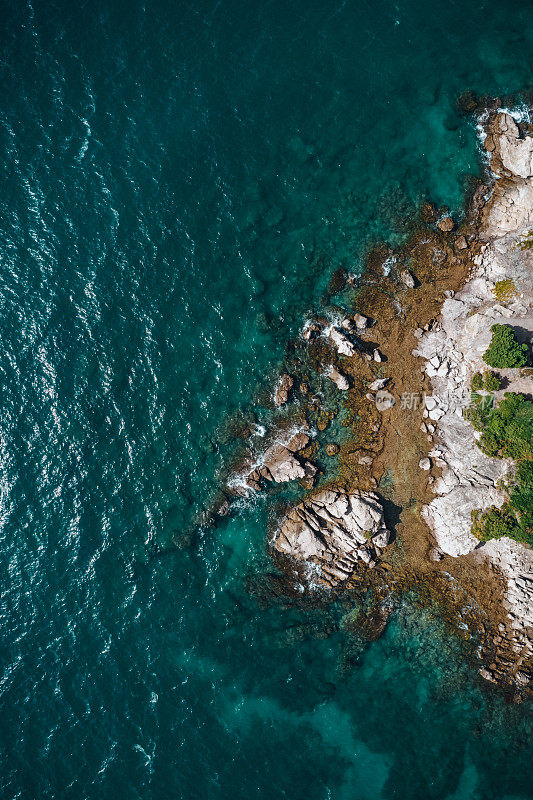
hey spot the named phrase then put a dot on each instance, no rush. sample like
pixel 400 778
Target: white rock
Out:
pixel 340 380
pixel 382 538
pixel 326 532
pixel 378 384
pixel 342 343
pixel 424 463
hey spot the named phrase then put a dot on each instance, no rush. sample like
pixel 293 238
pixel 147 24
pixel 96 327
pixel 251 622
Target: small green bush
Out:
pixel 504 349
pixel 491 381
pixel 477 381
pixel 507 432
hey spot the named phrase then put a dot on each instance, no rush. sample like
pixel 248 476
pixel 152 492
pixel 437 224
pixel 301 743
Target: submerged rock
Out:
pixel 283 388
pixel 332 533
pixel 310 331
pixel 446 224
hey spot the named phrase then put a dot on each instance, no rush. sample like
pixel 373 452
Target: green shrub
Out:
pixel 495 523
pixel 504 349
pixel 507 432
pixel 477 381
pixel 491 381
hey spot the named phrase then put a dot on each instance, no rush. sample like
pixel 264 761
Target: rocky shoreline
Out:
pixel 453 352
pixel 396 371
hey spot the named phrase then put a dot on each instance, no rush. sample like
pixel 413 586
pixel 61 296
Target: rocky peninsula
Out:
pixel 395 514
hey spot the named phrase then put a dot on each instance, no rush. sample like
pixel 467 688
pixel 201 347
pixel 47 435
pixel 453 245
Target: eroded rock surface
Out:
pixel 332 532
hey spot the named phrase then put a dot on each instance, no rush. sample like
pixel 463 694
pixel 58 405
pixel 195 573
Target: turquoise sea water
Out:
pixel 178 183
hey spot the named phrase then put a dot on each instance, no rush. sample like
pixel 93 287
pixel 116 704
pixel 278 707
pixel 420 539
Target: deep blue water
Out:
pixel 178 183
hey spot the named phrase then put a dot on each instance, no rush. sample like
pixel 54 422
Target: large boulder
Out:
pixel 384 400
pixel 281 465
pixel 361 322
pixel 342 343
pixel 407 279
pixel 340 380
pixel 332 533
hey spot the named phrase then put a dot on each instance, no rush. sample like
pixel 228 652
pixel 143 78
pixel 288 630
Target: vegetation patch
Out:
pixel 505 350
pixel 504 290
pixel 507 432
pixel 515 518
pixel 491 381
pixel 477 382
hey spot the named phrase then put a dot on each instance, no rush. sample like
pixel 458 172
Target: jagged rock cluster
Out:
pixel 511 155
pixel 332 532
pixel 279 463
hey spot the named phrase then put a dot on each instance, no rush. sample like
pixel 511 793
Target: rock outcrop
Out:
pixel 285 384
pixel 511 153
pixel 514 150
pixel 279 463
pixel 332 533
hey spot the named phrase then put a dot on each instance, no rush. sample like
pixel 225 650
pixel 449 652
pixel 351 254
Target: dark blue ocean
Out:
pixel 178 181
